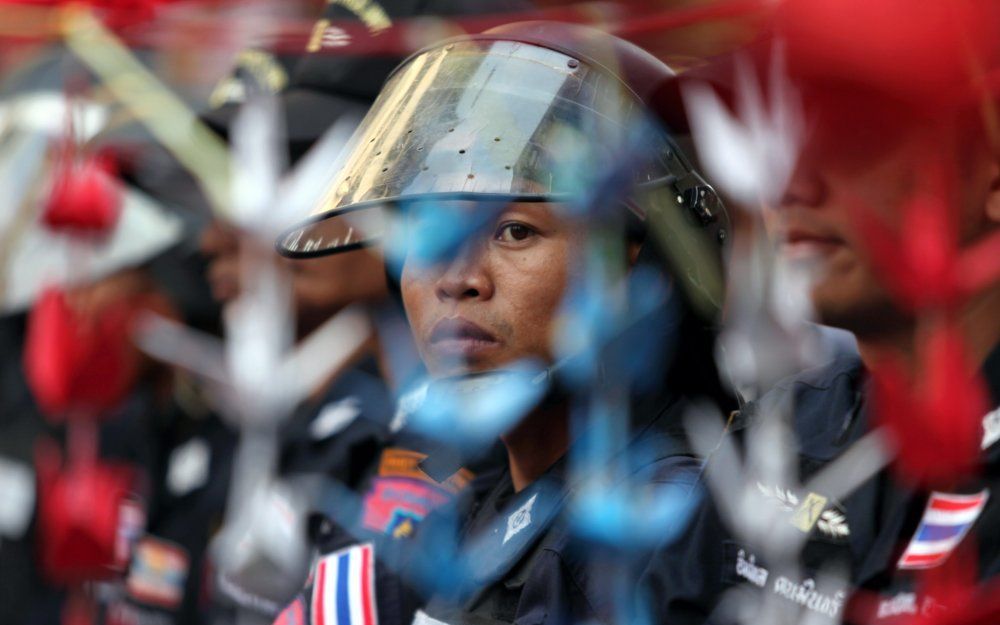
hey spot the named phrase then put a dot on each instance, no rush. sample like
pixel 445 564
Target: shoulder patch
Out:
pixel 158 572
pixel 398 462
pixel 294 614
pixel 395 505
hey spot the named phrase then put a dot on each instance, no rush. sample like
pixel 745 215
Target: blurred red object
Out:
pixel 936 420
pixel 116 14
pixel 947 595
pixel 920 261
pixel 76 367
pixel 79 610
pixel 85 196
pixel 929 53
pixel 79 516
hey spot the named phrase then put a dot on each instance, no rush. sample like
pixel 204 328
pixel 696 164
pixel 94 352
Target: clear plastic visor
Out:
pixel 478 120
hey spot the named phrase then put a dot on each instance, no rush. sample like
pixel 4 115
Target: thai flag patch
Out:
pixel 945 523
pixel 344 590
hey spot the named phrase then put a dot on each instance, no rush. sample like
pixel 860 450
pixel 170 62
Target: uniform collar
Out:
pixel 827 404
pixel 508 525
pixel 900 499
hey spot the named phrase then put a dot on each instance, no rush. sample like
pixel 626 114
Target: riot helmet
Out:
pixel 531 111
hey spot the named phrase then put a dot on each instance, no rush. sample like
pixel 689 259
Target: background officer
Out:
pixel 884 489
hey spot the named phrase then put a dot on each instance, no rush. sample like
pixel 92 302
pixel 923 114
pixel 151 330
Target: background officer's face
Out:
pixel 883 175
pixel 497 301
pixel 321 286
pixel 813 226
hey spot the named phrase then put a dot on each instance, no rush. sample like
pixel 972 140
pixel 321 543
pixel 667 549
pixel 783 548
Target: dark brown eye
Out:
pixel 511 232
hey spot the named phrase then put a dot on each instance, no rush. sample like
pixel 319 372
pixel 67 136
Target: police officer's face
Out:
pixel 496 302
pixel 816 227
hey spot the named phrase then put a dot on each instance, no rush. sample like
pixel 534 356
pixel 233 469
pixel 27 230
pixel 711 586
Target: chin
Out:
pixel 455 369
pixel 447 369
pixel 864 314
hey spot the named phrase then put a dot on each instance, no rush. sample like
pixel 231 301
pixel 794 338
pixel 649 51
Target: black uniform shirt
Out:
pixel 529 565
pixel 711 562
pixel 331 443
pixel 948 532
pixel 339 435
pixel 376 522
pixel 496 556
pixel 865 535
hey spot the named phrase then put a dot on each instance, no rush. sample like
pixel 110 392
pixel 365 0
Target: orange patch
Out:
pixel 406 463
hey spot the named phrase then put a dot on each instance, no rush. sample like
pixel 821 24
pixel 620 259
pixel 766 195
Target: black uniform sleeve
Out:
pixel 685 580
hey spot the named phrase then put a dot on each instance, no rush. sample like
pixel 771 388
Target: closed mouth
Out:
pixel 458 336
pixel 804 243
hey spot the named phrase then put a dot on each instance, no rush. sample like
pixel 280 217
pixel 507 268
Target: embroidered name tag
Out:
pixel 747 568
pixel 807 595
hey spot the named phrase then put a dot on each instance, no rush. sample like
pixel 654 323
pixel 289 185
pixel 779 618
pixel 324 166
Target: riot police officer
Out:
pixel 844 540
pixel 487 168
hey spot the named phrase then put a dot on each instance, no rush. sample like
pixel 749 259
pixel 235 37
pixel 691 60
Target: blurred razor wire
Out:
pixel 622 334
pixel 753 474
pixel 758 494
pixel 256 372
pixel 751 154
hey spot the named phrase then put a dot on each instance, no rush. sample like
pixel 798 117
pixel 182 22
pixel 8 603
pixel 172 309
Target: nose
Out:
pixel 467 276
pixel 807 187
